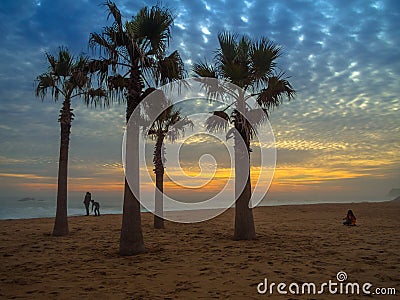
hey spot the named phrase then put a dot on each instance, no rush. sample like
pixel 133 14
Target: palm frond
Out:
pixel 97 96
pixel 237 73
pixel 79 72
pixel 205 74
pixel 46 82
pixel 263 54
pixel 150 110
pixel 178 128
pixel 257 115
pixel 278 88
pixel 117 82
pixel 98 40
pixel 115 12
pixel 232 58
pixel 243 49
pixel 63 64
pixel 69 76
pixel 152 27
pixel 217 122
pixel 169 69
pixel 100 68
pixel 169 124
pixel 227 51
pixel 115 37
pixel 203 69
pixel 254 119
pixel 250 65
pixel 52 63
pixel 80 63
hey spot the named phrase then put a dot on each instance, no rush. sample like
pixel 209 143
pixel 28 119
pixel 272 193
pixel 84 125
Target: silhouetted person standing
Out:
pixel 88 198
pixel 96 206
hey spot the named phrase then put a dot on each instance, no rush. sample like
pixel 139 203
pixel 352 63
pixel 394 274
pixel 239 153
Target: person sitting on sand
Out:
pixel 350 219
pixel 96 206
pixel 87 200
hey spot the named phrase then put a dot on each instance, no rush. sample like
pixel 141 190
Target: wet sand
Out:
pixel 304 243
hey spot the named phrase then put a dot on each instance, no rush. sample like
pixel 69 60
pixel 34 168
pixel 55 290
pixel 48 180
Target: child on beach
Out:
pixel 96 206
pixel 350 219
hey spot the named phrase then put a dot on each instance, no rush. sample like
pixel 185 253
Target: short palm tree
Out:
pixel 171 125
pixel 67 77
pixel 251 66
pixel 132 58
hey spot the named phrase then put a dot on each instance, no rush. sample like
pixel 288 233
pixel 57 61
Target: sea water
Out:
pixel 42 207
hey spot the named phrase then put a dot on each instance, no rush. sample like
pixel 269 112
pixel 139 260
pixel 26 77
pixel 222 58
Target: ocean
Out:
pixel 30 207
pixel 41 207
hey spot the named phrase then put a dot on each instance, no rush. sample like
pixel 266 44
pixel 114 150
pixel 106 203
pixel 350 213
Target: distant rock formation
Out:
pixel 393 193
pixel 396 199
pixel 30 199
pixel 26 199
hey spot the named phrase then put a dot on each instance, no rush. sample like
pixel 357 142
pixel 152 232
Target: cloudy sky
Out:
pixel 338 140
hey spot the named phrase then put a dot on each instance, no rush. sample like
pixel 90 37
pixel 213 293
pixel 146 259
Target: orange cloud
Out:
pixel 25 176
pixel 75 187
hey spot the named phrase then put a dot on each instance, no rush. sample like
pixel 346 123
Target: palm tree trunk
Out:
pixel 61 221
pixel 131 238
pixel 159 171
pixel 244 221
pixel 159 205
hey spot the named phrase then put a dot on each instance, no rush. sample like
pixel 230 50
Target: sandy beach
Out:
pixel 304 243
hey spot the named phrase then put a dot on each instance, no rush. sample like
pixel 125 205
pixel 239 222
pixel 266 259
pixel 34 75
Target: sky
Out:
pixel 338 140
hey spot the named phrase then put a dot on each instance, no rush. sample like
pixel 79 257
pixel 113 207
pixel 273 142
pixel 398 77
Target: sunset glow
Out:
pixel 340 133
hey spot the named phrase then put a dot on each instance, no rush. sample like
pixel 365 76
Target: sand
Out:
pixel 298 244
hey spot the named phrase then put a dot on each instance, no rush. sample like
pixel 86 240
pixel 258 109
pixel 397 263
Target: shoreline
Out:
pixel 177 211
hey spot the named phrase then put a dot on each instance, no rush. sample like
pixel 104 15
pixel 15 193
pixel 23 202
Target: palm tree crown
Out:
pixel 69 77
pixel 251 65
pixel 139 44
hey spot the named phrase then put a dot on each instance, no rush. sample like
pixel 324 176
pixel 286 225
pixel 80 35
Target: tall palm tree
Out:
pixel 133 57
pixel 251 66
pixel 171 125
pixel 67 77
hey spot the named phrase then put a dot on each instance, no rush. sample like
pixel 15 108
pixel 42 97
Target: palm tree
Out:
pixel 132 58
pixel 171 125
pixel 69 78
pixel 251 66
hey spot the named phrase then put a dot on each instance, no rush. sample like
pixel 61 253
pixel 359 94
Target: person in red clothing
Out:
pixel 350 219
